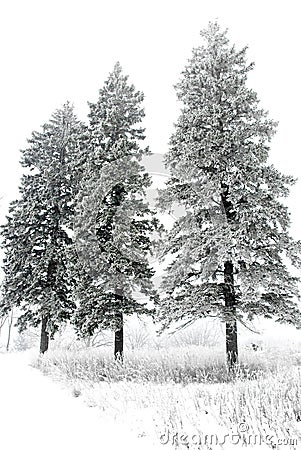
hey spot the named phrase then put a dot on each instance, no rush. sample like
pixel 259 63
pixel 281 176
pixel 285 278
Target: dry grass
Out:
pixel 184 365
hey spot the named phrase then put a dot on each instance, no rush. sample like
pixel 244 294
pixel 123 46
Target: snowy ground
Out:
pixel 36 413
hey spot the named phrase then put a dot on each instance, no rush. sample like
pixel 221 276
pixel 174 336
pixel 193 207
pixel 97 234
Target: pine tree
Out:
pixel 114 224
pixel 36 236
pixel 232 245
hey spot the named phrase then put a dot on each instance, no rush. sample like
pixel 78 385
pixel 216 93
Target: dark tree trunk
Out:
pixel 118 343
pixel 44 342
pixel 229 293
pixel 10 324
pixel 231 324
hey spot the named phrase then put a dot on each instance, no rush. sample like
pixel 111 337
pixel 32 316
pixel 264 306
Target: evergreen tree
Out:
pixel 232 245
pixel 36 237
pixel 113 224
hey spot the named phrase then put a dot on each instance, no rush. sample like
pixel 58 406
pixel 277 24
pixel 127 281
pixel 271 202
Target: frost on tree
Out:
pixel 113 223
pixel 36 237
pixel 232 245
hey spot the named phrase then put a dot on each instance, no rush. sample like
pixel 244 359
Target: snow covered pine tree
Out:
pixel 35 237
pixel 114 224
pixel 230 245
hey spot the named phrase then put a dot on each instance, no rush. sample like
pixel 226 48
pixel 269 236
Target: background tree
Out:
pixel 35 237
pixel 113 223
pixel 232 246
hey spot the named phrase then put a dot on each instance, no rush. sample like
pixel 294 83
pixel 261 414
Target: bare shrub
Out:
pixel 136 337
pixel 205 333
pixel 26 340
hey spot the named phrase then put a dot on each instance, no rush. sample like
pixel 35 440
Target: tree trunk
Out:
pixel 118 343
pixel 10 324
pixel 44 342
pixel 231 324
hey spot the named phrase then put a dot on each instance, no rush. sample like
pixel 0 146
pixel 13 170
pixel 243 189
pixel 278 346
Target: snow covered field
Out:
pixel 36 413
pixel 68 408
pixel 154 398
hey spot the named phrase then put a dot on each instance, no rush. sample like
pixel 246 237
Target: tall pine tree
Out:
pixel 35 237
pixel 232 245
pixel 114 224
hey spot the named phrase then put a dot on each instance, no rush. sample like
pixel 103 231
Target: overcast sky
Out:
pixel 53 51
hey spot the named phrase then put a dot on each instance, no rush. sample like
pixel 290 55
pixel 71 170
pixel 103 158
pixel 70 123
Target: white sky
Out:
pixel 53 51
